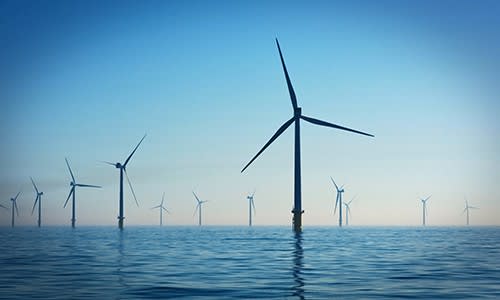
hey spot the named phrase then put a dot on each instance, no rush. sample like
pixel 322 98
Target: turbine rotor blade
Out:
pixel 293 98
pixel 197 199
pixel 67 199
pixel 336 202
pixel 157 206
pixel 253 205
pixel 3 206
pixel 327 124
pixel 336 187
pixel 253 193
pixel 196 209
pixel 34 205
pixel 17 210
pixel 107 162
pixel 275 136
pixel 428 198
pixel 15 198
pixel 130 156
pixel 34 185
pixel 131 188
pixel 162 198
pixel 88 185
pixel 69 168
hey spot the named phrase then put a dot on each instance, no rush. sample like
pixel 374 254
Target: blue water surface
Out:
pixel 245 263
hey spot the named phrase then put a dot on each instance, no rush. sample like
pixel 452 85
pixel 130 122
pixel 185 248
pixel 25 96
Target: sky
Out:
pixel 87 79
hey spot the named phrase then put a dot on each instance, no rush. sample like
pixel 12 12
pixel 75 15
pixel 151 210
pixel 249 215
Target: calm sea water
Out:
pixel 245 263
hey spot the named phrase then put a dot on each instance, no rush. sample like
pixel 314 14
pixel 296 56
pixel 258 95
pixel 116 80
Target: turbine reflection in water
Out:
pixel 298 264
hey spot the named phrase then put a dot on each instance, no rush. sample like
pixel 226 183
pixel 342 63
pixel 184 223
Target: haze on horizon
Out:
pixel 86 80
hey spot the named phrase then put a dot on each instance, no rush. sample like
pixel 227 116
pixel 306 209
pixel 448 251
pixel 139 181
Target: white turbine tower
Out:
pixel 338 201
pixel 250 206
pixel 348 211
pixel 467 207
pixel 162 208
pixel 198 208
pixel 424 209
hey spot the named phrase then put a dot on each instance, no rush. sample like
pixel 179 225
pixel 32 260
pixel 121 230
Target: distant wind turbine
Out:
pixel 14 205
pixel 73 185
pixel 424 209
pixel 348 211
pixel 198 208
pixel 162 208
pixel 297 115
pixel 338 201
pixel 123 169
pixel 467 207
pixel 39 200
pixel 250 205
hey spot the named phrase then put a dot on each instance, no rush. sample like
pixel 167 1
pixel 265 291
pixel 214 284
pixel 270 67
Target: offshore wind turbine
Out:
pixel 424 209
pixel 198 208
pixel 348 210
pixel 297 116
pixel 38 200
pixel 162 208
pixel 250 205
pixel 14 205
pixel 467 207
pixel 73 185
pixel 122 168
pixel 338 201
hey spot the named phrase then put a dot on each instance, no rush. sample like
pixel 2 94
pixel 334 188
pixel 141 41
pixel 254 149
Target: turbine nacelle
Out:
pixel 119 165
pixel 40 194
pixel 72 183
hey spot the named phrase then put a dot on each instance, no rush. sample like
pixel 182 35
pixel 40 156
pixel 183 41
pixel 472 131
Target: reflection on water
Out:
pixel 298 256
pixel 249 263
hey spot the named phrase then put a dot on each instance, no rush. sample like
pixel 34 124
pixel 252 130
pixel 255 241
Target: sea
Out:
pixel 209 262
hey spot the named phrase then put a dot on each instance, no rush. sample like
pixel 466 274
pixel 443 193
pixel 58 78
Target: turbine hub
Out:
pixel 41 193
pixel 297 112
pixel 71 183
pixel 118 165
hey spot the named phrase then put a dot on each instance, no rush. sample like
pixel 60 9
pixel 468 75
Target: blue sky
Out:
pixel 86 79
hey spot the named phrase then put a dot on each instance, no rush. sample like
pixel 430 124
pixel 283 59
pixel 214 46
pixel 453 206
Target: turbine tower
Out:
pixel 39 200
pixel 162 208
pixel 467 207
pixel 338 200
pixel 198 208
pixel 297 115
pixel 14 206
pixel 73 185
pixel 250 205
pixel 348 211
pixel 424 209
pixel 122 168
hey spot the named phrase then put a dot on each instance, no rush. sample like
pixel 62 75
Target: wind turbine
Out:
pixel 39 200
pixel 73 185
pixel 338 200
pixel 14 205
pixel 297 115
pixel 198 208
pixel 424 209
pixel 123 169
pixel 250 205
pixel 467 207
pixel 348 211
pixel 162 208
